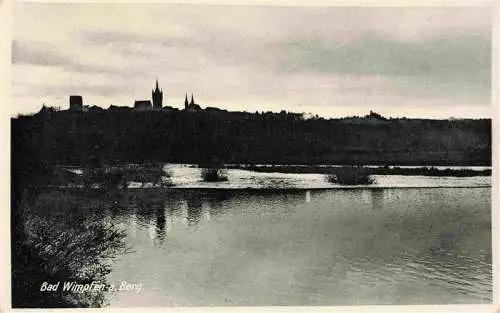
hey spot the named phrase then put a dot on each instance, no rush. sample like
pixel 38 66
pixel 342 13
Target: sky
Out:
pixel 332 61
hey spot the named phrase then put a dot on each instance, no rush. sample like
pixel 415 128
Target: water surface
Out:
pixel 334 247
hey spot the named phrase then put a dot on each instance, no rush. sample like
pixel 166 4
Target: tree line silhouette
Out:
pixel 127 136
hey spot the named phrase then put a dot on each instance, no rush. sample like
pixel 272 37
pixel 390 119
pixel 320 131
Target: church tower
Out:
pixel 157 96
pixel 191 106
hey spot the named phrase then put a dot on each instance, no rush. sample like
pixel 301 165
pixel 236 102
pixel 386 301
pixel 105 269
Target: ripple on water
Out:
pixel 336 247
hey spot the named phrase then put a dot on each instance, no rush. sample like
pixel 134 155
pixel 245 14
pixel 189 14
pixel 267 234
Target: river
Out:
pixel 311 247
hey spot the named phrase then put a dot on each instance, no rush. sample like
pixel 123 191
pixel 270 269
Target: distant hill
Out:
pixel 124 135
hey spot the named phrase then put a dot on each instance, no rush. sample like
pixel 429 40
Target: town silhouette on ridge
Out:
pixel 153 131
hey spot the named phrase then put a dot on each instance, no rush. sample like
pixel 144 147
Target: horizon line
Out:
pixel 305 115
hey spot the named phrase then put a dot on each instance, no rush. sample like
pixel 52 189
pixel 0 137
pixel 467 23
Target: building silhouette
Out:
pixel 191 106
pixel 157 97
pixel 75 103
pixel 142 105
pixel 375 115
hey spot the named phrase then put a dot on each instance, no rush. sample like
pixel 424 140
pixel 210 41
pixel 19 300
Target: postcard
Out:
pixel 220 155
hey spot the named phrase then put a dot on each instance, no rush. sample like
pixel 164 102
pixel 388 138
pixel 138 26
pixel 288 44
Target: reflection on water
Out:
pixel 193 211
pixel 160 224
pixel 338 247
pixel 377 196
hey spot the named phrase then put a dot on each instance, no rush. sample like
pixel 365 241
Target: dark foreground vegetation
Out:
pixel 127 136
pixel 54 239
pixel 57 240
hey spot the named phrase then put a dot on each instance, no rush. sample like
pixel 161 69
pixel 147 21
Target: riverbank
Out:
pixel 371 170
pixel 188 178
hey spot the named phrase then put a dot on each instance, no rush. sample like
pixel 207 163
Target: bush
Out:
pixel 213 175
pixel 113 178
pixel 54 239
pixel 150 173
pixel 103 178
pixel 49 248
pixel 350 176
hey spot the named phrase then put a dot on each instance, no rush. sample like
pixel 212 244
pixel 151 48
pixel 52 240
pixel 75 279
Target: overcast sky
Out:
pixel 331 61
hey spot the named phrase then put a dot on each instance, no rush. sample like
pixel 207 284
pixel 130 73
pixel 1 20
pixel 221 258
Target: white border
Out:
pixel 6 110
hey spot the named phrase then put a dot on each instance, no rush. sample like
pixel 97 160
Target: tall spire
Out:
pixel 157 96
pixel 192 100
pixel 186 101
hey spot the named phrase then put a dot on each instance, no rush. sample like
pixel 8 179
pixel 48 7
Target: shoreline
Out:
pixel 370 170
pixel 435 171
pixel 257 190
